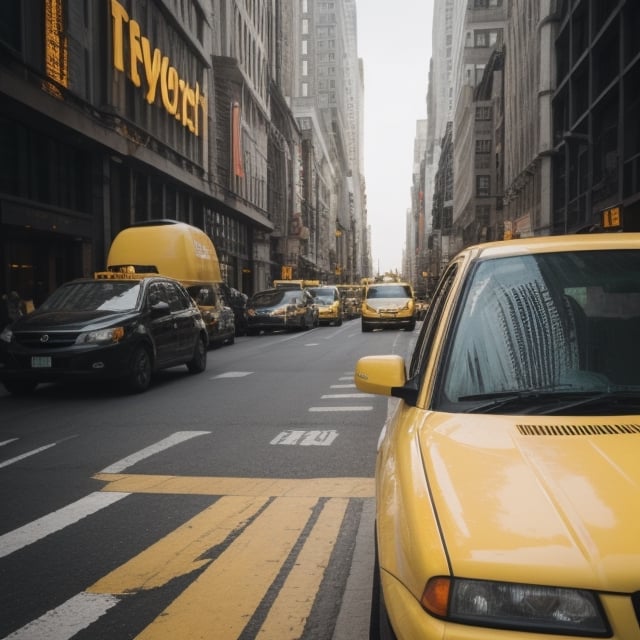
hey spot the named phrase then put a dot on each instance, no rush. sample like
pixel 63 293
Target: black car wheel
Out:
pixel 139 378
pixel 20 387
pixel 198 363
pixel 366 327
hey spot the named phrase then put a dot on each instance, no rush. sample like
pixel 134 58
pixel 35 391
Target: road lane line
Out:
pixel 57 520
pixel 183 550
pixel 67 620
pixel 339 487
pixel 28 454
pixel 292 606
pixel 346 408
pixel 5 442
pixel 171 441
pixel 330 396
pixel 342 386
pixel 243 573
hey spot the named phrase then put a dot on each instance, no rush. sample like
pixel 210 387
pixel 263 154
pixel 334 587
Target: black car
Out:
pixel 105 328
pixel 273 309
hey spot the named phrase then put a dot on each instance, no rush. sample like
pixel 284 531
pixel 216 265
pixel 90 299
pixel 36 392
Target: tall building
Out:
pixel 596 132
pixel 325 100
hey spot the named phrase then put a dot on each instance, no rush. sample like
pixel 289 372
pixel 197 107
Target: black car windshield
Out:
pixel 324 295
pixel 275 297
pixel 544 324
pixel 95 295
pixel 389 291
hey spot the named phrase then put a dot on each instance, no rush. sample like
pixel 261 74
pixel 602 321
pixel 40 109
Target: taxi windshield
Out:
pixel 545 323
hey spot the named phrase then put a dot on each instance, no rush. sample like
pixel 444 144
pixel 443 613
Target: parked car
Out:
pixel 107 328
pixel 507 479
pixel 219 318
pixel 388 305
pixel 273 309
pixel 329 303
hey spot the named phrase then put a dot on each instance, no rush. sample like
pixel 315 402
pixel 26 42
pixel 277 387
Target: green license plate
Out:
pixel 40 362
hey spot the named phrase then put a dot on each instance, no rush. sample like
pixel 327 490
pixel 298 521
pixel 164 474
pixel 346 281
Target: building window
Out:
pixel 305 89
pixel 305 27
pixel 305 69
pixel 305 47
pixel 482 186
pixel 483 146
pixel 483 113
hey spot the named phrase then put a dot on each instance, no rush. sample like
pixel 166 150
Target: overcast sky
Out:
pixel 394 41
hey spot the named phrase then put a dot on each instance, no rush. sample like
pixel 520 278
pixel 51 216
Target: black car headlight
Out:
pixel 101 336
pixel 6 335
pixel 523 607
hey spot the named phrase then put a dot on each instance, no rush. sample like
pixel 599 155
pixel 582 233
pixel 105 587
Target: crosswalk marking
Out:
pixel 183 550
pixel 344 408
pixel 243 573
pixel 334 396
pixel 52 522
pixel 69 618
pixel 338 487
pixel 171 441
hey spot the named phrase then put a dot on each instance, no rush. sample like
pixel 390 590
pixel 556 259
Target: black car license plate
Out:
pixel 40 362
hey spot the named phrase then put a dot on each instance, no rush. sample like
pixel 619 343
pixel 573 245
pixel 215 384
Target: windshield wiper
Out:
pixel 550 402
pixel 517 399
pixel 610 400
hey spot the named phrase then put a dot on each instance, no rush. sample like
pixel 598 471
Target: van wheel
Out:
pixel 139 377
pixel 198 363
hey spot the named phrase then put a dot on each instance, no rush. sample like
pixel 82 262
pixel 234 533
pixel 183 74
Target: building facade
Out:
pixel 122 111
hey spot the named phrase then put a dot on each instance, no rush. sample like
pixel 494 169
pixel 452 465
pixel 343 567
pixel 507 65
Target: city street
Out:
pixel 236 503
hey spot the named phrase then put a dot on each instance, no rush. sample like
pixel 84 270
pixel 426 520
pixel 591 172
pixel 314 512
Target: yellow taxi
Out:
pixel 508 474
pixel 329 302
pixel 388 305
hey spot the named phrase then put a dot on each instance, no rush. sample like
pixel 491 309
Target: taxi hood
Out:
pixel 530 500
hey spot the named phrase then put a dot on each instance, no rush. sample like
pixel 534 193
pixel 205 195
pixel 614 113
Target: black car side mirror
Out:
pixel 160 309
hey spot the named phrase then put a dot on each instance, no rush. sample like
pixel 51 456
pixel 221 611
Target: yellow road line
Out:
pixel 219 603
pixel 308 487
pixel 181 551
pixel 289 612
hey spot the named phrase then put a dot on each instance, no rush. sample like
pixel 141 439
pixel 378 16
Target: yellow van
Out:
pixel 184 253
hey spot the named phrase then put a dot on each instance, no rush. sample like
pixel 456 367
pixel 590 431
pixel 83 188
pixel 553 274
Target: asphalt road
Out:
pixel 237 503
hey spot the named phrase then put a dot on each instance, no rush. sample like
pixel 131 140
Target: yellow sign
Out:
pixel 612 218
pixel 179 98
pixel 286 273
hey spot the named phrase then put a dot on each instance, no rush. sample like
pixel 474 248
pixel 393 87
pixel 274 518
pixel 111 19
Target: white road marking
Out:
pixel 335 409
pixel 7 441
pixel 345 395
pixel 346 377
pixel 68 619
pixel 172 440
pixel 342 386
pixel 57 520
pixel 305 438
pixel 33 452
pixel 232 374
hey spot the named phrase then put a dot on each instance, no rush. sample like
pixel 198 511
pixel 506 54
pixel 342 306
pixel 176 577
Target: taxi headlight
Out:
pixel 101 336
pixel 516 606
pixel 6 335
